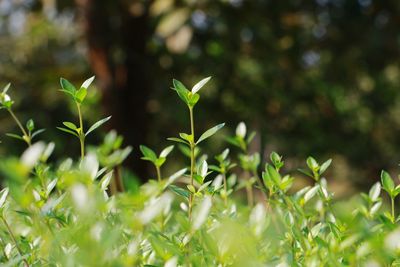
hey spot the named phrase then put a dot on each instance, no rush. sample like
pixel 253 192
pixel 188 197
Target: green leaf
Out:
pixel 183 93
pixel 15 136
pixel 166 151
pixel 67 86
pixel 306 172
pixel 87 83
pixel 312 164
pixel 200 84
pixel 179 191
pixel 30 125
pixel 177 140
pixel 325 166
pixel 67 131
pixel 37 132
pixel 275 176
pixel 3 197
pixel 275 158
pixel 210 132
pixel 186 137
pixel 81 94
pixel 387 182
pixel 5 89
pixel 97 125
pixel 193 99
pixel 159 162
pixel 148 153
pixel 375 191
pixel 70 125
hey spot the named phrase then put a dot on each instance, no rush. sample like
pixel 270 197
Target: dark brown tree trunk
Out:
pixel 116 34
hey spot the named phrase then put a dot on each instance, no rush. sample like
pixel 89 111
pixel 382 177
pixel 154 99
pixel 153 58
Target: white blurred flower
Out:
pixel 241 130
pixel 32 155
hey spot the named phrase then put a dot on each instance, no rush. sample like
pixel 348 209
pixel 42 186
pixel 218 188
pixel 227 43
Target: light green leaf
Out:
pixel 210 132
pixel 387 182
pixel 325 166
pixel 274 175
pixel 97 125
pixel 3 197
pixel 375 191
pixel 5 89
pixel 87 83
pixel 200 84
pixel 312 164
pixel 81 94
pixel 70 125
pixel 166 151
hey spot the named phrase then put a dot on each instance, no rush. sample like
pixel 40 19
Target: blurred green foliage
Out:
pixel 311 76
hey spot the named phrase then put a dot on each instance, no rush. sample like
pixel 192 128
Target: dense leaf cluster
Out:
pixel 76 213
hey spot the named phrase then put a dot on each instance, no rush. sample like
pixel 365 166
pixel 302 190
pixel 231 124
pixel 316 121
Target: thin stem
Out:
pixel 250 197
pixel 14 240
pixel 192 146
pixel 225 190
pixel 26 135
pixel 81 133
pixel 192 160
pixel 393 209
pixel 118 179
pixel 158 173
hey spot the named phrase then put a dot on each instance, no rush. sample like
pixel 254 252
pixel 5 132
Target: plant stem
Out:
pixel 26 135
pixel 14 240
pixel 118 179
pixel 393 209
pixel 225 190
pixel 192 159
pixel 81 133
pixel 158 173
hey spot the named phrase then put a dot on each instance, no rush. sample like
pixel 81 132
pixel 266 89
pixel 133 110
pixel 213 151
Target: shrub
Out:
pixel 77 213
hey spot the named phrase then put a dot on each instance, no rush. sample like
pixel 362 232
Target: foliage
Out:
pixel 68 214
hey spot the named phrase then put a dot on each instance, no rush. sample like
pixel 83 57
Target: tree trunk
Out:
pixel 116 37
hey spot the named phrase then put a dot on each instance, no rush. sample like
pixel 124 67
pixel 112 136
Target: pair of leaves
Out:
pixel 188 138
pixel 388 184
pixel 78 95
pixel 189 97
pixel 150 155
pixel 74 130
pixel 316 169
pixel 276 160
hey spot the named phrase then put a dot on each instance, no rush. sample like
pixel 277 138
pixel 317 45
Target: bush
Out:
pixel 78 213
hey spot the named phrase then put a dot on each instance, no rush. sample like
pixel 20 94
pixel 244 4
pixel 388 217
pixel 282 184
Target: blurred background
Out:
pixel 314 78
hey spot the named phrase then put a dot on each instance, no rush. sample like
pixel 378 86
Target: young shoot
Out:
pixel 190 98
pixel 78 96
pixel 28 132
pixel 392 190
pixel 150 155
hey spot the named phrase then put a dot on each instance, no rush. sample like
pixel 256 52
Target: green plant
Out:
pixel 71 213
pixel 29 132
pixel 78 96
pixel 149 155
pixel 190 98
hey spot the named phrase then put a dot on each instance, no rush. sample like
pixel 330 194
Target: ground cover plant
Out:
pixel 77 212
